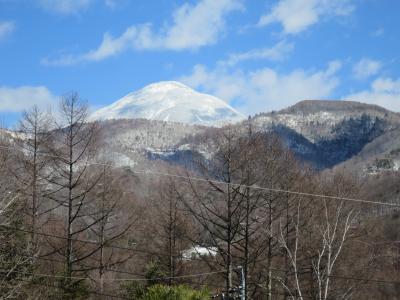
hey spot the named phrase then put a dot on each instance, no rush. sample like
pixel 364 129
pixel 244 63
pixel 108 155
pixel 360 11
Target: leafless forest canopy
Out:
pixel 73 225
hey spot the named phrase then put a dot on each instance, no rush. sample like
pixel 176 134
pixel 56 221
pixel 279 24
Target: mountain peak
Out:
pixel 170 101
pixel 166 85
pixel 315 106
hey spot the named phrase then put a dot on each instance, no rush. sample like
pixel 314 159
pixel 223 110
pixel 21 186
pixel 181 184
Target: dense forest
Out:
pixel 250 222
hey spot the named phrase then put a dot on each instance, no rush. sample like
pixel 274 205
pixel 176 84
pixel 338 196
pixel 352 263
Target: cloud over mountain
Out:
pixel 264 89
pixel 384 91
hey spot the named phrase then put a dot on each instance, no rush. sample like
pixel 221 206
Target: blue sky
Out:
pixel 258 55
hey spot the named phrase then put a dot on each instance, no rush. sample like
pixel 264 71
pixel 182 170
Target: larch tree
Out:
pixel 72 184
pixel 114 222
pixel 217 207
pixel 31 169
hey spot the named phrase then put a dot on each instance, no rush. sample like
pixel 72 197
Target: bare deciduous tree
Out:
pixel 217 207
pixel 72 186
pixel 34 130
pixel 321 231
pixel 114 223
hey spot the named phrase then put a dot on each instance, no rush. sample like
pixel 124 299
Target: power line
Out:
pixel 124 271
pixel 183 276
pixel 378 242
pixel 84 265
pixel 186 276
pixel 365 279
pixel 352 278
pixel 199 179
pixel 114 279
pixel 105 245
pixel 268 189
pixel 148 252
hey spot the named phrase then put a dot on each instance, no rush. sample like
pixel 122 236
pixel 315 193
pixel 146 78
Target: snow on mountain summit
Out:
pixel 170 101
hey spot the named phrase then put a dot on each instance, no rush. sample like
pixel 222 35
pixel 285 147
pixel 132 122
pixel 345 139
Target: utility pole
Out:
pixel 242 286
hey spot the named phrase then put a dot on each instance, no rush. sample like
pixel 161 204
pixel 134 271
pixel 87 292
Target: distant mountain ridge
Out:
pixel 315 119
pixel 327 133
pixel 322 133
pixel 173 102
pixel 312 106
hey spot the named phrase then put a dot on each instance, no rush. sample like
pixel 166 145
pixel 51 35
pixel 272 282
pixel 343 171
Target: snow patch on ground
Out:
pixel 198 252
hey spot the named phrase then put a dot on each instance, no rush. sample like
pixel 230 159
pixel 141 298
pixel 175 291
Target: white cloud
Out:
pixel 6 28
pixel 66 7
pixel 20 98
pixel 192 27
pixel 384 92
pixel 199 25
pixel 275 53
pixel 264 89
pixel 296 16
pixel 366 67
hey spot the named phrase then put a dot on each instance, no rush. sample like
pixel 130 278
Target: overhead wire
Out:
pixel 374 280
pixel 105 245
pixel 256 187
pixel 111 279
pixel 187 276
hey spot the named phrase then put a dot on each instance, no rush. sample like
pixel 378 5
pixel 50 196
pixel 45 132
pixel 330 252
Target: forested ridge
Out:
pixel 249 222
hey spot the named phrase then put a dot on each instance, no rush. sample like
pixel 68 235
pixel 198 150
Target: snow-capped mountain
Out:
pixel 170 101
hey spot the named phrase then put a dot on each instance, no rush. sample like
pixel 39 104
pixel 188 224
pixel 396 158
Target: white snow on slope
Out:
pixel 170 101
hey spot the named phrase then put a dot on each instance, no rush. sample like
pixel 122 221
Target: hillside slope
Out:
pixel 326 133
